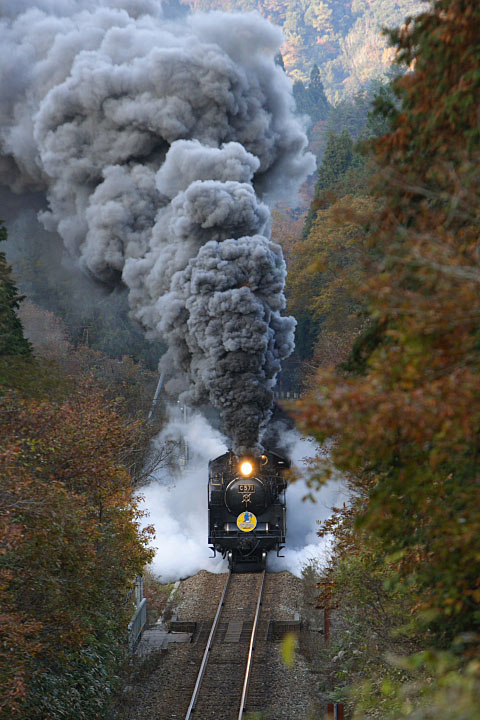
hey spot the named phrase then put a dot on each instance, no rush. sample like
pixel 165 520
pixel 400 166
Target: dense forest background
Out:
pixel 342 37
pixel 389 258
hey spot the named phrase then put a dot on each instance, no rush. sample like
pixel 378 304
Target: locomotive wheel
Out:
pixel 264 560
pixel 230 560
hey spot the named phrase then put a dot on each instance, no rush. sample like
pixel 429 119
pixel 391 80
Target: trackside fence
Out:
pixel 139 619
pixel 137 624
pixel 285 395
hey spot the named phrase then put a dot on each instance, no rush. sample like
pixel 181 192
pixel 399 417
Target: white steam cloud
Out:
pixel 178 508
pixel 157 144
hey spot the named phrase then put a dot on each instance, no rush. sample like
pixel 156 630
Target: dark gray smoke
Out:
pixel 157 145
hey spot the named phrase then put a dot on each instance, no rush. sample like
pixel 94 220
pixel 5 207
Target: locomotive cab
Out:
pixel 246 508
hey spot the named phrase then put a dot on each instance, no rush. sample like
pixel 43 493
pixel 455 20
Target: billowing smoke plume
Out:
pixel 177 507
pixel 155 143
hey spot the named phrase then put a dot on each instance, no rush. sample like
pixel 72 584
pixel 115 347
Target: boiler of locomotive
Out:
pixel 248 490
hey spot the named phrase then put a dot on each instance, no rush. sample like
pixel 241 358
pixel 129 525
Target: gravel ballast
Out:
pixel 161 685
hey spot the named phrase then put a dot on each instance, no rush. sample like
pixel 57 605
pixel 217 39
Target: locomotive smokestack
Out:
pixel 157 145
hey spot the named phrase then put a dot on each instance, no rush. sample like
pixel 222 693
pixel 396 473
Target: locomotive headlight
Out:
pixel 246 468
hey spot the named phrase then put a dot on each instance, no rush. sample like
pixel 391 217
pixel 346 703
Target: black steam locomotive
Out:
pixel 246 508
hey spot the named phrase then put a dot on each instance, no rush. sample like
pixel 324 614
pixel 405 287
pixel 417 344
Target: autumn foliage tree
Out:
pixel 70 537
pixel 405 410
pixel 70 550
pixel 323 280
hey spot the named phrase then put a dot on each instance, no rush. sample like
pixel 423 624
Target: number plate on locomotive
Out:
pixel 246 488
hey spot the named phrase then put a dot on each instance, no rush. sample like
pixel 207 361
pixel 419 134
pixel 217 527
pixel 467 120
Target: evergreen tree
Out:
pixel 339 157
pixel 337 160
pixel 301 98
pixel 311 100
pixel 319 105
pixel 12 341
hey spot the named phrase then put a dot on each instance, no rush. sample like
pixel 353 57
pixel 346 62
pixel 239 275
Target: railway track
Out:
pixel 225 677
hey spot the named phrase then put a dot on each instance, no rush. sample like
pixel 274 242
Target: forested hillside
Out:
pixel 93 316
pixel 74 444
pixel 343 37
pixel 325 239
pixel 391 267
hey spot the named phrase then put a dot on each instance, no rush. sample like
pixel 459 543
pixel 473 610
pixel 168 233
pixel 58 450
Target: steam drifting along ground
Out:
pixel 157 145
pixel 178 508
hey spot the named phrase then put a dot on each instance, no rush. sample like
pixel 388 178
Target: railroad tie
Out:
pixel 234 631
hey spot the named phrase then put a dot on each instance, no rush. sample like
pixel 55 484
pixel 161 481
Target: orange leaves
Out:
pixel 68 532
pixel 324 275
pixel 438 95
pixel 405 409
pixel 17 646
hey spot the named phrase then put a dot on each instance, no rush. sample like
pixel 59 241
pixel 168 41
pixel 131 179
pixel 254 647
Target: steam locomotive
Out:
pixel 246 508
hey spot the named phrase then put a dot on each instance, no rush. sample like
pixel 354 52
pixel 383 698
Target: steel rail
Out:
pixel 246 681
pixel 206 654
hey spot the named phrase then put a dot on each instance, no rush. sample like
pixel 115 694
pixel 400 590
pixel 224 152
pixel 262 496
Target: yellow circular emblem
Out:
pixel 246 521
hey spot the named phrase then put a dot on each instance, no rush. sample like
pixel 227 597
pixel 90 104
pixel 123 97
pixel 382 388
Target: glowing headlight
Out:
pixel 246 468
